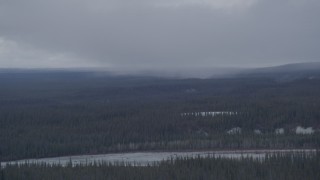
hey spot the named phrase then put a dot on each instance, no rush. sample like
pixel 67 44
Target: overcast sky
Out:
pixel 147 34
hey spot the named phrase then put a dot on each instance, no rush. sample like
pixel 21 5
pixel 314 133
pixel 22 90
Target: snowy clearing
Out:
pixel 213 113
pixel 302 130
pixel 149 158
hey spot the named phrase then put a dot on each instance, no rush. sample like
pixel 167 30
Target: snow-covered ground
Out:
pixel 302 130
pixel 145 158
pixel 214 113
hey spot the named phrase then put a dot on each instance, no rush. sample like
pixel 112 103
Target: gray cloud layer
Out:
pixel 158 33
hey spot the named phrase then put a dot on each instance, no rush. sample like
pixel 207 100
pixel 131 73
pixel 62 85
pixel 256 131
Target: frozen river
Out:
pixel 145 158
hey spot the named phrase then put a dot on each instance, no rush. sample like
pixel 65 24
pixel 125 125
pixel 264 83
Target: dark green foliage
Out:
pixel 291 167
pixel 45 114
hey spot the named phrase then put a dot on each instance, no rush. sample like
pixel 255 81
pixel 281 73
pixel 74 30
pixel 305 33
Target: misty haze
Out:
pixel 159 89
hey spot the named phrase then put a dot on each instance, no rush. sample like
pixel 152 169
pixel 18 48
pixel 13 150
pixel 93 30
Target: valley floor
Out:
pixel 151 158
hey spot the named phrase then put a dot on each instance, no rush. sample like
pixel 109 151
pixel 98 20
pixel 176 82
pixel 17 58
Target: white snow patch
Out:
pixel 235 130
pixel 213 113
pixel 279 131
pixel 301 130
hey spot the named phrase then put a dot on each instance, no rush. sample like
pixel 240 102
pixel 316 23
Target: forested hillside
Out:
pixel 65 113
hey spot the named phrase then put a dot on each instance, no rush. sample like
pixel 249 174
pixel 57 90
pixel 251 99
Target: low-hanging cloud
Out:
pixel 161 33
pixel 214 4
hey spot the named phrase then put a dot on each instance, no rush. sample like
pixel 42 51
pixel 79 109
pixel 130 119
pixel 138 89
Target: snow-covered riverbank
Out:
pixel 145 158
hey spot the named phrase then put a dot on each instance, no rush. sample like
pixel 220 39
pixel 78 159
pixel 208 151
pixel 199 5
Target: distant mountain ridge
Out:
pixel 285 72
pixel 295 67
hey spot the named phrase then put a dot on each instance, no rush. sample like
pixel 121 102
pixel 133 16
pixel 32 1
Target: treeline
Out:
pixel 277 166
pixel 56 116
